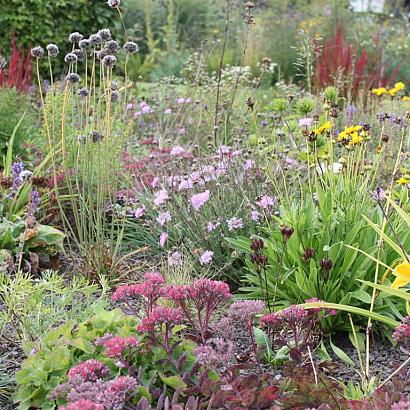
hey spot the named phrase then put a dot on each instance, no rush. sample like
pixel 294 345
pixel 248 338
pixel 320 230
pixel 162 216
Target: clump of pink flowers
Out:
pixel 402 332
pixel 90 370
pixel 198 200
pixel 199 301
pixel 160 315
pixel 82 404
pixel 147 292
pixel 116 346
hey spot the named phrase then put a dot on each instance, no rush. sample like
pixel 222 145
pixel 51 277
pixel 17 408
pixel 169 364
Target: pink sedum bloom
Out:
pixel 82 404
pixel 198 200
pixel 117 346
pixel 90 370
pixel 160 315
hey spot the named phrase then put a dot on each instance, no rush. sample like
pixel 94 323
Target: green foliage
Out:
pixel 332 229
pixel 13 105
pixel 41 22
pixel 31 308
pixel 61 349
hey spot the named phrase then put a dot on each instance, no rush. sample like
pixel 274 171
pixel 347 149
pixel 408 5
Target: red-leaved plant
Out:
pixel 17 72
pixel 358 68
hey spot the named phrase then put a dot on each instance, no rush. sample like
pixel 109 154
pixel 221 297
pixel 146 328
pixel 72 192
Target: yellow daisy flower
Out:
pixel 325 127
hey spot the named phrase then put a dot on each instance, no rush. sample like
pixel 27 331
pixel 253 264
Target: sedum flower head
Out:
pixel 117 346
pixel 160 315
pixel 82 404
pixel 402 332
pixel 246 309
pixel 90 370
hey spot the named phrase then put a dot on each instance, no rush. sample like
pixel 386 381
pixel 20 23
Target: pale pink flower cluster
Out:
pixel 198 200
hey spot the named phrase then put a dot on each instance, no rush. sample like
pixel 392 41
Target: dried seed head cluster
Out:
pixel 72 78
pixel 105 34
pixel 109 61
pixel 70 58
pixel 75 37
pixel 114 3
pixel 52 50
pixel 130 47
pixel 37 52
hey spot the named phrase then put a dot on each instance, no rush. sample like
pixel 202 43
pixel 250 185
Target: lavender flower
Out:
pixel 35 199
pixel 351 110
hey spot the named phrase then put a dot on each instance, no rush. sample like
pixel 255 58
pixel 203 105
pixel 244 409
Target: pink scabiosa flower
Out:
pixel 82 404
pixel 266 202
pixel 185 184
pixel 162 239
pixel 305 122
pixel 175 259
pixel 198 200
pixel 154 182
pixel 249 164
pixel 160 197
pixel 206 258
pixel 181 101
pixel 117 346
pixel 255 215
pixel 90 370
pixel 211 226
pixel 163 218
pixel 168 111
pixel 177 150
pixel 139 212
pixel 234 223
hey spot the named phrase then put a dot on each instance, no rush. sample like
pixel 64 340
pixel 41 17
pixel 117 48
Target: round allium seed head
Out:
pixel 96 136
pixel 84 44
pixel 83 92
pixel 72 78
pixel 101 54
pixel 112 46
pixel 52 50
pixel 114 85
pixel 130 47
pixel 115 96
pixel 105 34
pixel 75 37
pixel 114 3
pixel 79 53
pixel 70 58
pixel 37 52
pixel 109 61
pixel 95 39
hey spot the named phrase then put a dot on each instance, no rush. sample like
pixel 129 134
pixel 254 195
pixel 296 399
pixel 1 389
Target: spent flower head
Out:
pixel 114 3
pixel 70 58
pixel 130 47
pixel 109 61
pixel 75 37
pixel 52 50
pixel 37 52
pixel 105 34
pixel 72 78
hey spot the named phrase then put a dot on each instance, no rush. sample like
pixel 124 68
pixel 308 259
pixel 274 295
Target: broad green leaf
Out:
pixel 362 296
pixel 393 292
pixel 173 381
pixel 341 354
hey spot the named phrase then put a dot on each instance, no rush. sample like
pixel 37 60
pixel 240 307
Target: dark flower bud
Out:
pixel 366 127
pixel 96 136
pixel 257 244
pixel 83 92
pixel 385 138
pixel 286 231
pixel 75 37
pixel 250 103
pixel 130 47
pixel 312 137
pixel 52 50
pixel 84 44
pixel 112 46
pixel 70 58
pixel 105 34
pixel 79 53
pixel 114 3
pixel 326 264
pixel 109 61
pixel 72 78
pixel 37 52
pixel 115 96
pixel 308 254
pixel 95 39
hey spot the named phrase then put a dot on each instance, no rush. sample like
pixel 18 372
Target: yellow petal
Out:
pixel 399 282
pixel 403 270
